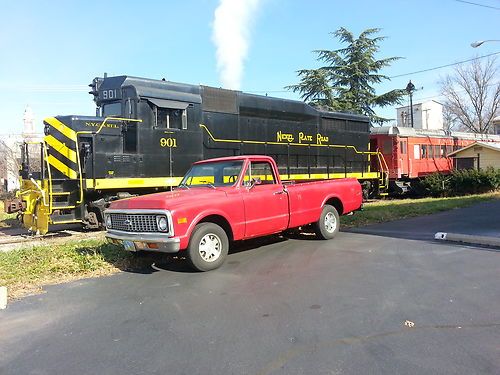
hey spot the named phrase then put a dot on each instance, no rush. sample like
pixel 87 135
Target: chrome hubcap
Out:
pixel 330 222
pixel 210 247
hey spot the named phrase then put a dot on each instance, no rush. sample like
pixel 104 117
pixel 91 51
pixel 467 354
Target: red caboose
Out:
pixel 413 153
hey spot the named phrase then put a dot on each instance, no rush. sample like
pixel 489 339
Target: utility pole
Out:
pixel 410 88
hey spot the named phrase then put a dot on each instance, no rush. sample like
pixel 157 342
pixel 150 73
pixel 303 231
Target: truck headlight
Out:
pixel 162 223
pixel 109 223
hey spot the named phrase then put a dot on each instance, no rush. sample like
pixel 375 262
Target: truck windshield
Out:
pixel 214 174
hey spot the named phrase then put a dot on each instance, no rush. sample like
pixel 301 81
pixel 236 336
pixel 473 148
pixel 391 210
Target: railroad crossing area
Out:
pixel 15 238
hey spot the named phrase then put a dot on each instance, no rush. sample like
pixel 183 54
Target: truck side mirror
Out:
pixel 254 181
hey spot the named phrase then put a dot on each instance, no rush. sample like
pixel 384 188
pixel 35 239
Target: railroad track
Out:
pixel 14 238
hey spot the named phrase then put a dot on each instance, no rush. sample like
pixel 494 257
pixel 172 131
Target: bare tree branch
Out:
pixel 473 94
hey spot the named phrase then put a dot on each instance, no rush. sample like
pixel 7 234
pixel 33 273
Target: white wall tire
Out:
pixel 208 247
pixel 328 224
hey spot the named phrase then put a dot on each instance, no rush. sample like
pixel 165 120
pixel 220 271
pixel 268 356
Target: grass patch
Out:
pixel 24 271
pixel 389 210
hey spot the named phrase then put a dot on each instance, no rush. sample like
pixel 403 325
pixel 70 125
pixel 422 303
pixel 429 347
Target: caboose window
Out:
pixel 416 151
pixel 424 153
pixel 437 152
pixel 403 146
pixel 387 150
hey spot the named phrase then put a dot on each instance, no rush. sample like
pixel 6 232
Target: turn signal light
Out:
pixel 152 245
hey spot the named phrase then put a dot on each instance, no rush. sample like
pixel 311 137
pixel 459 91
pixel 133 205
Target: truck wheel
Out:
pixel 328 224
pixel 208 247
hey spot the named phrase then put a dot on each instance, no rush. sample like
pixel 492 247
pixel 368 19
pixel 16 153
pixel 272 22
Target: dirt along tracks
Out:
pixel 15 238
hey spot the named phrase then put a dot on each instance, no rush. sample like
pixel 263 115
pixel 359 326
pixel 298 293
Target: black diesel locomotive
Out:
pixel 146 133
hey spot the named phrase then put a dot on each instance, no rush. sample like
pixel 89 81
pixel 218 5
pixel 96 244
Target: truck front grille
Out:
pixel 134 222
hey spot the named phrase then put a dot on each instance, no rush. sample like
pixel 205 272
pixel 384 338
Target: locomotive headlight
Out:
pixel 108 221
pixel 162 222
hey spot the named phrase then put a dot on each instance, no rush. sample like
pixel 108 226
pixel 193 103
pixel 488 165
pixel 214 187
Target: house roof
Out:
pixel 420 103
pixel 491 145
pixel 405 131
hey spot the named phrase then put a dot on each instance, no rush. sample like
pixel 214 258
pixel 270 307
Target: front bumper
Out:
pixel 145 241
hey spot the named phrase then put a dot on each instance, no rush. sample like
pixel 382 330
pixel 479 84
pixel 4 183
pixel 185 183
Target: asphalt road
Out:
pixel 482 219
pixel 294 306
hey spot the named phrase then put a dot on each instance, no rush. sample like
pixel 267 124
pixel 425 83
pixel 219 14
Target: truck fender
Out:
pixel 216 217
pixel 335 201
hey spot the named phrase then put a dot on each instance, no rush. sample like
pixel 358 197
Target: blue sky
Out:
pixel 51 50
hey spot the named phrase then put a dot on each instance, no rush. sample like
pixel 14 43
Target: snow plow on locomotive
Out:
pixel 147 133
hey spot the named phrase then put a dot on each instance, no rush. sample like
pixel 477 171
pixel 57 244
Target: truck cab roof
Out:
pixel 240 157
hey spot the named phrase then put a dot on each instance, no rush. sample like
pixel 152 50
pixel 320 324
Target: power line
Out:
pixel 396 76
pixel 459 91
pixel 444 66
pixel 479 5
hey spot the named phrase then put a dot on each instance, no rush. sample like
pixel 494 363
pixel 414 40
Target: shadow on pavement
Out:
pixel 148 262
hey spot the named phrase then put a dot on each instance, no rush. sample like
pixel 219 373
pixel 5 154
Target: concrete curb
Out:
pixel 466 238
pixel 3 297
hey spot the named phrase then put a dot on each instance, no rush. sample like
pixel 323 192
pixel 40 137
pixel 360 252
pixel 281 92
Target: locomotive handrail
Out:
pixel 384 166
pixel 39 189
pixel 97 132
pixel 46 157
pixel 286 143
pixel 104 123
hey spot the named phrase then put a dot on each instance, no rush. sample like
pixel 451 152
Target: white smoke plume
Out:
pixel 231 34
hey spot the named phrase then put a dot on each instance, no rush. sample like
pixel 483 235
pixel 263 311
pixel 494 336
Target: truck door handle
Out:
pixel 279 192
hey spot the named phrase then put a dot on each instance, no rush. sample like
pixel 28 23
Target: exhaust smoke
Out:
pixel 231 34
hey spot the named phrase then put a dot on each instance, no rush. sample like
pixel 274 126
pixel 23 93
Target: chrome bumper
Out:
pixel 165 244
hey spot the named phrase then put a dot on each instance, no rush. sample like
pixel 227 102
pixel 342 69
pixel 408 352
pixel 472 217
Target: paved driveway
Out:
pixel 295 306
pixel 482 219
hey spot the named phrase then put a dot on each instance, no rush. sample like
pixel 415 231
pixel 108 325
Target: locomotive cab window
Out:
pixel 169 114
pixel 167 118
pixel 112 109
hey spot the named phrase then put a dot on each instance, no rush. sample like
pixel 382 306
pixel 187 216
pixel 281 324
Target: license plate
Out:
pixel 129 245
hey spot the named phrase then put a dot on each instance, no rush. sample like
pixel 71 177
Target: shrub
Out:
pixel 436 185
pixel 462 182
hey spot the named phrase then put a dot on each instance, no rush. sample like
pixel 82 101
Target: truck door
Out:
pixel 265 201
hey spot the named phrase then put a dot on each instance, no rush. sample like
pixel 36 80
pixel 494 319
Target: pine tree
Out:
pixel 346 82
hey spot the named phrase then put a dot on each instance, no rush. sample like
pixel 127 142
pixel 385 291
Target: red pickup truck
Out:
pixel 224 200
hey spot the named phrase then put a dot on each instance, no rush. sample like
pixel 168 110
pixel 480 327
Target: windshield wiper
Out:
pixel 208 183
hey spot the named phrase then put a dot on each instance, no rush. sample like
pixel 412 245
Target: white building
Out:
pixel 10 151
pixel 496 125
pixel 427 116
pixel 29 124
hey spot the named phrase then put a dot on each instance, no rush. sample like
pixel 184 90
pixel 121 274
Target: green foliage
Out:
pixel 435 185
pixel 24 269
pixel 346 82
pixel 462 182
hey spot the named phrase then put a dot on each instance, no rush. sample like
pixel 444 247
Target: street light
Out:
pixel 480 42
pixel 410 88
